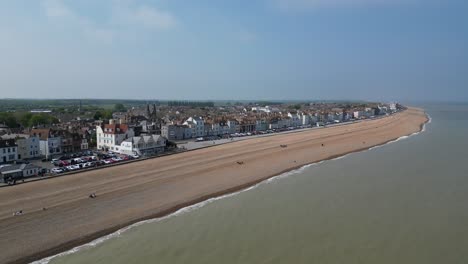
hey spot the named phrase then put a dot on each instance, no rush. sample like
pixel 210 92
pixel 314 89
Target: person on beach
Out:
pixel 93 195
pixel 20 212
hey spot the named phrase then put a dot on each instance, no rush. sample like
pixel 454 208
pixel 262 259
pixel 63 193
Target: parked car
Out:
pixel 64 163
pixel 73 167
pixel 117 159
pixel 56 170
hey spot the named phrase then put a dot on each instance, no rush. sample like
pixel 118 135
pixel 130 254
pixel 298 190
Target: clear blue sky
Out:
pixel 240 49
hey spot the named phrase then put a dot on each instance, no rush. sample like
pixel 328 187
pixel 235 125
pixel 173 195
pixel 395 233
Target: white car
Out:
pixel 135 156
pixel 56 170
pixel 117 159
pixel 87 164
pixel 73 167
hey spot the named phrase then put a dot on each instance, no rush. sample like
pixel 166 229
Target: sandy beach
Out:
pixel 142 190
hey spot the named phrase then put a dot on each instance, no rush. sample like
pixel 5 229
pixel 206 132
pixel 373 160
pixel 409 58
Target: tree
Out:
pixel 98 115
pixel 103 114
pixel 93 140
pixel 8 119
pixel 120 108
pixel 108 114
pixel 295 106
pixel 24 119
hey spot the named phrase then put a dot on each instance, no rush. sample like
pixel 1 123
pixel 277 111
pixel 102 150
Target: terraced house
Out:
pixel 8 150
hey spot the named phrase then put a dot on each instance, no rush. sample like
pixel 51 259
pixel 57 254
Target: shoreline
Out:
pixel 221 194
pixel 51 252
pixel 34 179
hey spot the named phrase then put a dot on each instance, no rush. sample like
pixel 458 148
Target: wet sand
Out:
pixel 152 188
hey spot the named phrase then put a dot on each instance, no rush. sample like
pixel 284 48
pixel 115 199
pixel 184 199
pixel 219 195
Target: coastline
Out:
pixel 232 189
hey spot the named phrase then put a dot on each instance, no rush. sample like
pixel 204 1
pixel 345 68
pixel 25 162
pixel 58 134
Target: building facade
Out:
pixel 198 126
pixel 110 136
pixel 176 132
pixel 49 143
pixel 143 145
pixel 8 150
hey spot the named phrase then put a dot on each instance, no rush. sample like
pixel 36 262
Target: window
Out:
pixel 9 150
pixel 4 151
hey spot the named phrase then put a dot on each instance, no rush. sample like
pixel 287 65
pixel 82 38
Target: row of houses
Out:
pixel 44 142
pixel 195 127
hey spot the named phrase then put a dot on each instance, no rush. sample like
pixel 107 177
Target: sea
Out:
pixel 403 202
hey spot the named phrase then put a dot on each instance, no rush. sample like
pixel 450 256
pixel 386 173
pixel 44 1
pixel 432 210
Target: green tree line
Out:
pixel 15 120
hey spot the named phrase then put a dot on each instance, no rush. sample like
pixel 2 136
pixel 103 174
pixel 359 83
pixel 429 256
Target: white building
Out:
pixel 110 136
pixel 143 145
pixel 359 114
pixel 198 126
pixel 267 109
pixel 305 119
pixel 295 119
pixel 8 150
pixel 234 126
pixel 49 144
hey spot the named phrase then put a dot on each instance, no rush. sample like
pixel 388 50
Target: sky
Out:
pixel 381 50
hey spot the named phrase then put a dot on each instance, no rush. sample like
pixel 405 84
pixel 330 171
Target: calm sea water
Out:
pixel 406 202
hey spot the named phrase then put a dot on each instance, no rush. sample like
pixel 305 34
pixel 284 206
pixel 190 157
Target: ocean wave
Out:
pixel 199 205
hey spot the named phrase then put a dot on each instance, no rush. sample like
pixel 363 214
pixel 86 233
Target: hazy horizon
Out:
pixel 371 50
